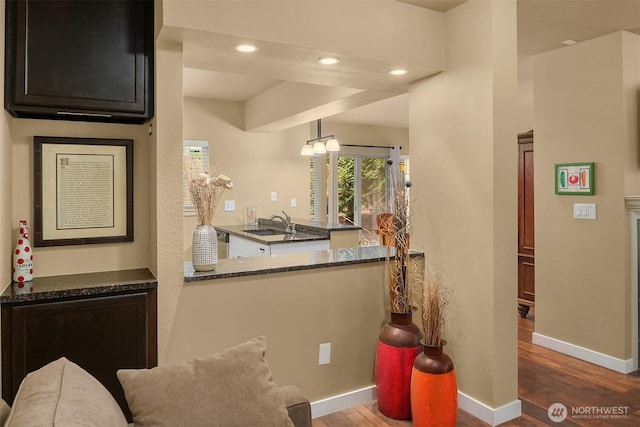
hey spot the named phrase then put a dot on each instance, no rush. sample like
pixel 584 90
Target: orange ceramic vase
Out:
pixel 434 390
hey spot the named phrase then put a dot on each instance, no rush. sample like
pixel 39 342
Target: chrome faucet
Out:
pixel 286 220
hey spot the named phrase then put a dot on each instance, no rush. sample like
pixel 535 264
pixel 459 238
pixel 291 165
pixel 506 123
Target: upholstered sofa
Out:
pixel 232 388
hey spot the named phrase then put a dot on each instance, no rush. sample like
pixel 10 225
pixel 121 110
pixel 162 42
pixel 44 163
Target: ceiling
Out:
pixel 542 26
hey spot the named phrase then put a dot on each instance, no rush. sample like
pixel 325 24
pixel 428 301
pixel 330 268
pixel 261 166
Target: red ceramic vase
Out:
pixel 398 345
pixel 434 390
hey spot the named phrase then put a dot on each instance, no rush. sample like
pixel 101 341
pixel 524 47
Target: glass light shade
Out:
pixel 246 48
pixel 307 150
pixel 328 60
pixel 398 72
pixel 318 148
pixel 333 145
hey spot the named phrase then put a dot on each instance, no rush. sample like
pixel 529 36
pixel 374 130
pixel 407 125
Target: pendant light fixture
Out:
pixel 319 146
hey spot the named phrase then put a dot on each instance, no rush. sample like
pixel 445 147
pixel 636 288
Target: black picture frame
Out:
pixel 80 194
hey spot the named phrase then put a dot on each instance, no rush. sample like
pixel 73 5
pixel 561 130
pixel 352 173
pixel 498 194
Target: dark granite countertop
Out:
pixel 73 285
pixel 244 231
pixel 251 266
pixel 305 231
pixel 326 226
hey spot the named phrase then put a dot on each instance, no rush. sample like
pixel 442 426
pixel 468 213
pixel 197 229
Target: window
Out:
pixel 198 154
pixel 353 188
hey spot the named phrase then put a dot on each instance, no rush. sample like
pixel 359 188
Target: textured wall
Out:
pixel 585 97
pixel 463 137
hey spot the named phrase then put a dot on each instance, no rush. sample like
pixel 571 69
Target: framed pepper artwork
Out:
pixel 574 179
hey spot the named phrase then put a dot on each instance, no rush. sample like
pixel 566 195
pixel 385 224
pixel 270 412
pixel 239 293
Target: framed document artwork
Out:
pixel 83 191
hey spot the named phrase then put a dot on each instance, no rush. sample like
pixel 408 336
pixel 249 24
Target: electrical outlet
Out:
pixel 274 196
pixel 293 203
pixel 229 205
pixel 324 354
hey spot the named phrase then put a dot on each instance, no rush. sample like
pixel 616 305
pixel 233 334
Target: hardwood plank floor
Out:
pixel 545 377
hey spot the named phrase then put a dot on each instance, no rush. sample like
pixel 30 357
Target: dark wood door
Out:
pixel 526 234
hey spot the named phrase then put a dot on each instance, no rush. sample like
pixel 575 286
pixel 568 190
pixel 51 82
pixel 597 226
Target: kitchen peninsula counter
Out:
pixel 240 267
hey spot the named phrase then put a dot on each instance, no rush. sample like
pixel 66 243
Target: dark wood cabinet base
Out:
pixel 101 333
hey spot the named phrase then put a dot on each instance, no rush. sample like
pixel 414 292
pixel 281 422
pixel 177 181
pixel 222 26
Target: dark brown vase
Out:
pixel 434 390
pixel 398 345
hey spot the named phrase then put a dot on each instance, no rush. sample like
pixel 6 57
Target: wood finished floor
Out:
pixel 545 377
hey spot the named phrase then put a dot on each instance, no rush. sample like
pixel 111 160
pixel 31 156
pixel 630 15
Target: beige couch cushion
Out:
pixel 63 394
pixel 232 388
pixel 4 411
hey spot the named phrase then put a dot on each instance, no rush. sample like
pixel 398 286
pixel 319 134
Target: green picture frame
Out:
pixel 575 179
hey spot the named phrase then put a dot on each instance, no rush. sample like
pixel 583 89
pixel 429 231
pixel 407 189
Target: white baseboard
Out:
pixel 342 401
pixel 357 397
pixel 582 353
pixel 489 415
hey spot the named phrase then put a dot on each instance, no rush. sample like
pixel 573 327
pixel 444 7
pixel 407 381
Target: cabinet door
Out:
pixel 100 334
pixel 246 247
pixel 88 60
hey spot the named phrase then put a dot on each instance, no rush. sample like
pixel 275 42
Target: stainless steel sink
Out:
pixel 265 232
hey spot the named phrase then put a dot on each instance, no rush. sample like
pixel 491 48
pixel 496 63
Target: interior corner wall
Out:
pixel 463 136
pixel 6 217
pixel 583 267
pixel 6 238
pixel 167 154
pixel 525 93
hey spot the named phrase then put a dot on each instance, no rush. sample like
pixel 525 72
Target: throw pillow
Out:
pixel 4 411
pixel 63 394
pixel 232 388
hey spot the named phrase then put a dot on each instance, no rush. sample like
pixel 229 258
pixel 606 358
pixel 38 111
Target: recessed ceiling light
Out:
pixel 328 60
pixel 246 48
pixel 398 72
pixel 569 42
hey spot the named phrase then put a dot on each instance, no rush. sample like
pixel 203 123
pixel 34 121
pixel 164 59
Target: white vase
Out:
pixel 204 254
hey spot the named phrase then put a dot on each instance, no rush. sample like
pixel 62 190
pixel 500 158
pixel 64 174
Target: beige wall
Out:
pixel 463 135
pixel 258 163
pixel 57 260
pixel 586 110
pixel 6 183
pixel 297 311
pixel 525 93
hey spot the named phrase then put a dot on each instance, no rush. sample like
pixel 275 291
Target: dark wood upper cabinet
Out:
pixel 80 60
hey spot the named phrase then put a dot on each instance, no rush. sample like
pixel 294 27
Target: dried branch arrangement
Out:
pixel 435 298
pixel 396 228
pixel 205 190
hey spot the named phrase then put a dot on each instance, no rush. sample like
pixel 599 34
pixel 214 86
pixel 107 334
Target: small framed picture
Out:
pixel 574 179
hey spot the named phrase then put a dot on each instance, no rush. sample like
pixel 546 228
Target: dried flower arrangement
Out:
pixel 206 191
pixel 435 298
pixel 395 224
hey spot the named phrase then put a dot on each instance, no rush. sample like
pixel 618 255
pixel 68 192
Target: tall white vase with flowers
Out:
pixel 206 192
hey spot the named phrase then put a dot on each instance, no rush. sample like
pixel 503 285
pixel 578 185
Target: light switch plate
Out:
pixel 229 205
pixel 294 202
pixel 274 196
pixel 584 211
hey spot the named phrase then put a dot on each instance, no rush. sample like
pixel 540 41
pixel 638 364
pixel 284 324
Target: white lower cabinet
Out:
pixel 240 247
